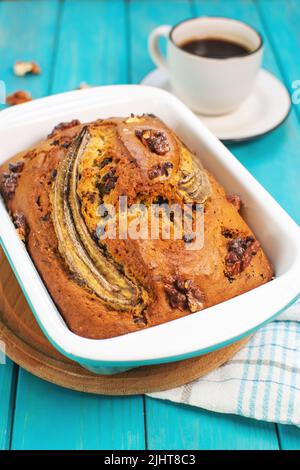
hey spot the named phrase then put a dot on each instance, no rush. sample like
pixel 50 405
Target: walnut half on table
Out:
pixel 18 97
pixel 22 68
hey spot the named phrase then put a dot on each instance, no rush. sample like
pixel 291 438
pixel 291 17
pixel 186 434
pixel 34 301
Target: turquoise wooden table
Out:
pixel 104 42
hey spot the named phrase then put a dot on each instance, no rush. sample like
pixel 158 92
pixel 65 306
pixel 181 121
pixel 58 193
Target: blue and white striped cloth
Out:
pixel 261 381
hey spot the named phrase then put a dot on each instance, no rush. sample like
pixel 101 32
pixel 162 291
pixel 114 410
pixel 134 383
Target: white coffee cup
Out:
pixel 208 85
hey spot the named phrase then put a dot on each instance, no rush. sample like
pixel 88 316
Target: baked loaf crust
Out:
pixel 105 288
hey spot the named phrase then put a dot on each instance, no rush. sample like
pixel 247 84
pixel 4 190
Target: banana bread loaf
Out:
pixel 107 282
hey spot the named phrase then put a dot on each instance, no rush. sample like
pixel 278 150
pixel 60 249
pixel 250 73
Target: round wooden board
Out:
pixel 26 345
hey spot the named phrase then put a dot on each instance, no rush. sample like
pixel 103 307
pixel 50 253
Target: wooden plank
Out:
pixel 92 45
pixel 143 17
pixel 50 417
pixel 7 370
pixel 275 159
pixel 27 32
pixel 173 426
pixel 47 416
pixel 272 160
pixel 8 379
pixel 289 437
pixel 282 24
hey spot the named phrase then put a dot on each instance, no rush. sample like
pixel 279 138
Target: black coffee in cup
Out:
pixel 214 48
pixel 199 65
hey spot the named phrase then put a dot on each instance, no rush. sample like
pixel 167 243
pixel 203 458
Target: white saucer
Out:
pixel 265 109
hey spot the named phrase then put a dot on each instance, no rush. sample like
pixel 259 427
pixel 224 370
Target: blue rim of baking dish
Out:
pixel 133 364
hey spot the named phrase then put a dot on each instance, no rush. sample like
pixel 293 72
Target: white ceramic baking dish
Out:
pixel 196 333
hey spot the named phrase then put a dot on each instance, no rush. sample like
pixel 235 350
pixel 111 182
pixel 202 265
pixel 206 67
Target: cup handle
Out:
pixel 153 45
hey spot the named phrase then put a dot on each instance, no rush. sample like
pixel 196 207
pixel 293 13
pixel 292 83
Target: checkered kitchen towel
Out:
pixel 261 381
